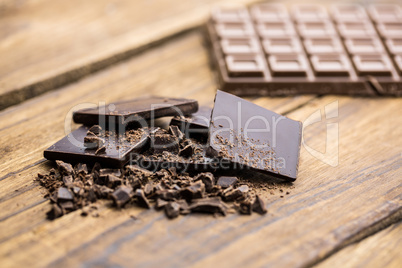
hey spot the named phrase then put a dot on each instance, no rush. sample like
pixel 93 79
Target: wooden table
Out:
pixel 56 55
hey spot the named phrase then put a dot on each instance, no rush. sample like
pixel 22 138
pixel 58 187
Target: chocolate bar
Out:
pixel 194 125
pixel 117 150
pixel 255 138
pixel 135 111
pixel 267 50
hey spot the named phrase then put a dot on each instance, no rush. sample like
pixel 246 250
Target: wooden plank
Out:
pixel 182 70
pixel 327 209
pixel 380 250
pixel 42 49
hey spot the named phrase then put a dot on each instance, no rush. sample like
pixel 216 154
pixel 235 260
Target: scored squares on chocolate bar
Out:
pixel 234 29
pixel 232 14
pixel 348 12
pixel 364 45
pixel 316 28
pixel 269 12
pixel 330 65
pixel 394 45
pixel 385 12
pixel 240 45
pixel 285 65
pixel 373 65
pixel 323 45
pixel 356 29
pixel 245 65
pixel 309 12
pixel 275 29
pixel 281 45
pixel 390 29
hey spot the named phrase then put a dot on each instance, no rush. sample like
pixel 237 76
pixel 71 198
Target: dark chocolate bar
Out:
pixel 266 50
pixel 255 138
pixel 135 111
pixel 116 153
pixel 195 124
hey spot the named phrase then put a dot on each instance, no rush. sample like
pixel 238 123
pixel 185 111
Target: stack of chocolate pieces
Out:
pixel 123 155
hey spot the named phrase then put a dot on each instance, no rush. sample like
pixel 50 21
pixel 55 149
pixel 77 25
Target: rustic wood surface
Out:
pixel 380 250
pixel 50 43
pixel 327 209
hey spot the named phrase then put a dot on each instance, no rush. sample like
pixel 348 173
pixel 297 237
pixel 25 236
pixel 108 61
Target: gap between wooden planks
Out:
pixel 47 44
pixel 380 250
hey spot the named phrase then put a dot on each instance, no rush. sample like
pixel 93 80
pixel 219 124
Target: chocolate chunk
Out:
pixel 55 212
pixel 121 196
pixel 137 110
pixel 81 168
pixel 187 151
pixel 100 150
pixel 112 181
pixel 194 125
pixel 259 206
pixel 65 168
pixel 134 169
pixel 142 201
pixel 93 142
pixel 95 129
pixel 194 191
pixel 160 203
pixel 245 207
pixel 67 206
pixel 118 150
pixel 184 207
pixel 161 142
pixel 172 210
pixel 262 53
pixel 168 195
pixel 63 194
pixel 207 179
pixel 254 138
pixel 226 182
pixel 148 189
pixel 208 205
pixel 231 194
pixel 175 131
pixel 243 189
pixel 68 179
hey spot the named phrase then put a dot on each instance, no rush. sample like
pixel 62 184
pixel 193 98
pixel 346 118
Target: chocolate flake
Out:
pixel 259 206
pixel 226 182
pixel 172 210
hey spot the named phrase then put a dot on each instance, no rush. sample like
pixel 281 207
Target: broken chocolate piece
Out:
pixel 231 194
pixel 245 207
pixel 207 179
pixel 95 129
pixel 187 151
pixel 259 206
pixel 81 168
pixel 208 205
pixel 148 189
pixel 118 149
pixel 142 201
pixel 65 168
pixel 100 150
pixel 121 196
pixel 194 125
pixel 172 210
pixel 184 207
pixel 137 110
pixel 160 203
pixel 226 182
pixel 252 137
pixel 161 141
pixel 64 194
pixel 93 142
pixel 175 131
pixel 194 191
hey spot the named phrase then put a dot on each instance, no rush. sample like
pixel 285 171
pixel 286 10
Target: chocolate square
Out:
pixel 275 29
pixel 245 66
pixel 240 45
pixel 309 12
pixel 348 13
pixel 323 45
pixel 282 45
pixel 316 28
pixel 253 137
pixel 330 65
pixel 364 45
pixel 379 65
pixel 269 12
pixel 234 29
pixel 285 65
pixel 394 45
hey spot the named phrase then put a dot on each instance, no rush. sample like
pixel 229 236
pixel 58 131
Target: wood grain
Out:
pixel 179 65
pixel 380 250
pixel 46 44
